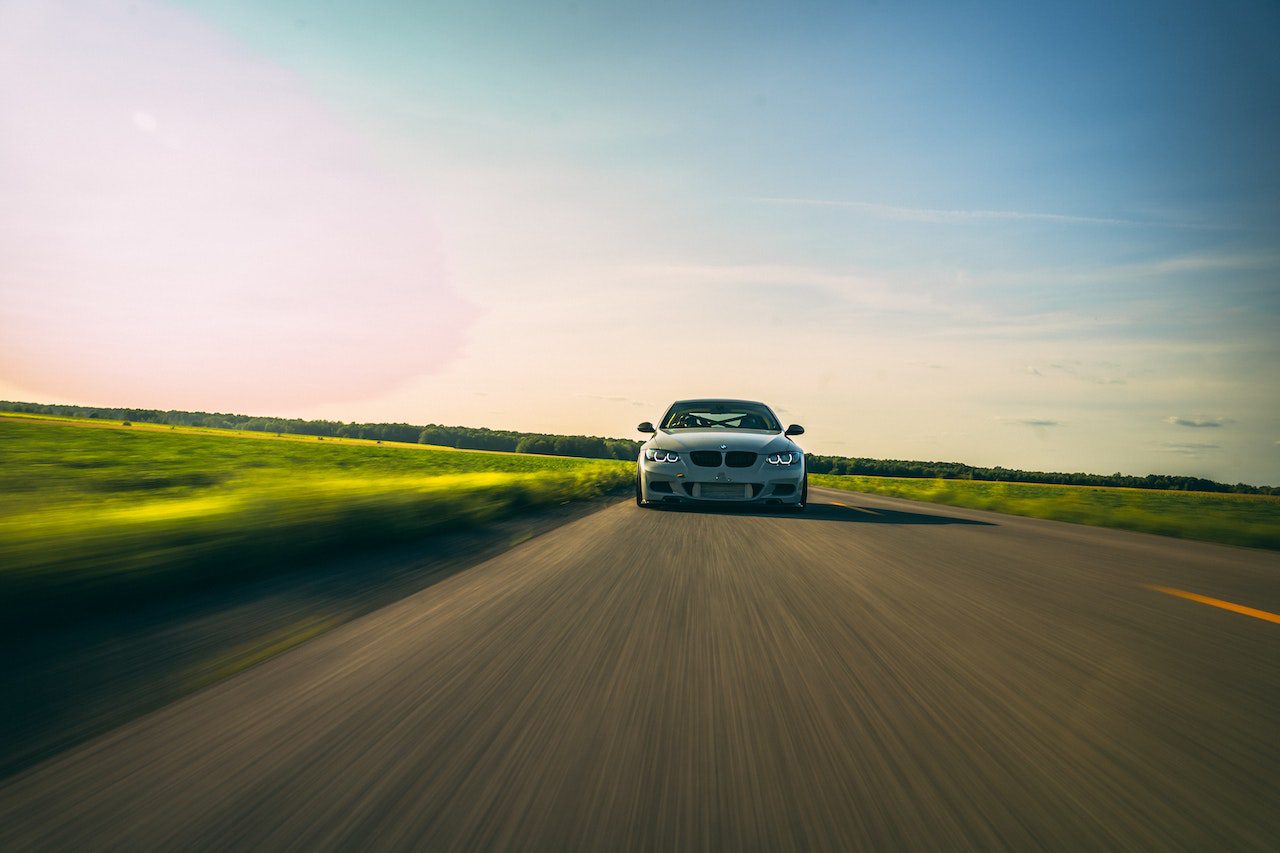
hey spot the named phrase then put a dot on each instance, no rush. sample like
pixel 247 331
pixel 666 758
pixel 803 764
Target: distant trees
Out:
pixel 586 446
pixel 960 471
pixel 536 444
pixel 595 447
pixel 465 438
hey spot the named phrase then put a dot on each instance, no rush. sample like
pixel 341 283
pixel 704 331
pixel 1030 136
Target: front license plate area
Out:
pixel 724 491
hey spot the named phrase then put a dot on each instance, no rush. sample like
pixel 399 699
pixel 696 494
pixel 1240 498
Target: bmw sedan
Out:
pixel 722 451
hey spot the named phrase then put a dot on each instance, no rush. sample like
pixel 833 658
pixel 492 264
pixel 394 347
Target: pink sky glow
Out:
pixel 186 226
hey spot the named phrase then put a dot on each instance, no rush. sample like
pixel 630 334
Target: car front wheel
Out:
pixel 640 501
pixel 804 496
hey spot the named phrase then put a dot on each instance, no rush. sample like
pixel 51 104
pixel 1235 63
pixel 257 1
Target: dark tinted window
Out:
pixel 709 414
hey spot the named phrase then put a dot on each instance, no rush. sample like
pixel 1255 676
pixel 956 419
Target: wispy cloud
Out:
pixel 1190 448
pixel 1209 262
pixel 1032 422
pixel 1077 371
pixel 613 398
pixel 1197 423
pixel 960 215
pixel 848 287
pixel 1181 265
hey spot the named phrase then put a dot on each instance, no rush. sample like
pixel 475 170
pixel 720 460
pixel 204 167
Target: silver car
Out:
pixel 722 451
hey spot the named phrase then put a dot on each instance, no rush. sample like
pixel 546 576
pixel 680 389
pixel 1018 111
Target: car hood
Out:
pixel 711 439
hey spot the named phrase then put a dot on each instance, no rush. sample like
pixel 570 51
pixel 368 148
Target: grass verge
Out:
pixel 95 517
pixel 1249 520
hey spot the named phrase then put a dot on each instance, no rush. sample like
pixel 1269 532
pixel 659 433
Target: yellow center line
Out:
pixel 858 508
pixel 1216 602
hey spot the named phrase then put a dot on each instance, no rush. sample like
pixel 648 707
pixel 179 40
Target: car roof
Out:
pixel 727 400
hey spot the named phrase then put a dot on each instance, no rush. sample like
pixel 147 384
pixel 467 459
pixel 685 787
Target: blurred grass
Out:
pixel 1250 520
pixel 93 514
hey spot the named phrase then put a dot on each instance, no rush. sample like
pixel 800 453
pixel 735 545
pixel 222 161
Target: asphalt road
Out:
pixel 877 675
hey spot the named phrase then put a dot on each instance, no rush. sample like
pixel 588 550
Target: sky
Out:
pixel 1031 235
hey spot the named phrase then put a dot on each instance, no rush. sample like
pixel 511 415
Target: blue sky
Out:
pixel 1020 234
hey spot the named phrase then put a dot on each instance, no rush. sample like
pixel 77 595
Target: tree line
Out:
pixel 464 438
pixel 961 471
pixel 595 447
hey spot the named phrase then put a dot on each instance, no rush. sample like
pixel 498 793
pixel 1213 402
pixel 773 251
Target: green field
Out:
pixel 1252 520
pixel 93 512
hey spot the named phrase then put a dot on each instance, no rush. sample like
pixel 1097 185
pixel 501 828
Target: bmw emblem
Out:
pixel 724 447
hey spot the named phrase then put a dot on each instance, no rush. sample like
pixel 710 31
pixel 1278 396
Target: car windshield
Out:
pixel 709 414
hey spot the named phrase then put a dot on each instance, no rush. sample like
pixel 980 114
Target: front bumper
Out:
pixel 685 483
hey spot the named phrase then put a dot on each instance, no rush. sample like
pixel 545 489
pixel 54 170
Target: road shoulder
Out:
pixel 69 684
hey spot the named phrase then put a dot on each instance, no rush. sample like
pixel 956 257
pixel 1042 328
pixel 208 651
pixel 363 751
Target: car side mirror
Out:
pixel 795 429
pixel 645 427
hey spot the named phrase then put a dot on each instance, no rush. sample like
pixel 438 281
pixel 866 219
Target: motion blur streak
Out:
pixel 926 677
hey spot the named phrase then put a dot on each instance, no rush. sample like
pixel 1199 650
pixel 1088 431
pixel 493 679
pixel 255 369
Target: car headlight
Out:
pixel 653 454
pixel 791 457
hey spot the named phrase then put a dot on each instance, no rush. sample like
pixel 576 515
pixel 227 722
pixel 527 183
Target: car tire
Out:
pixel 640 501
pixel 804 496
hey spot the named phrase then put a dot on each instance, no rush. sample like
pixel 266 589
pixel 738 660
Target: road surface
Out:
pixel 882 674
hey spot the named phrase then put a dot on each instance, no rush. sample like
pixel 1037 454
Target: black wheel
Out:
pixel 804 496
pixel 640 501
